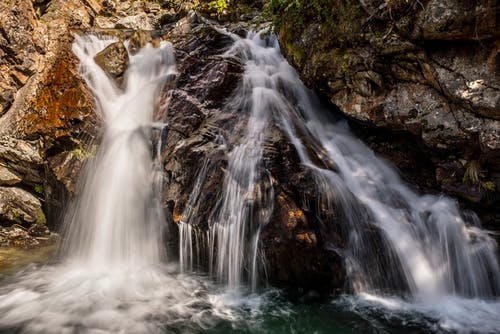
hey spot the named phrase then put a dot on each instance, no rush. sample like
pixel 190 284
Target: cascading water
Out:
pixel 437 252
pixel 116 221
pixel 113 278
pixel 189 240
pixel 246 204
pixel 425 244
pixel 399 243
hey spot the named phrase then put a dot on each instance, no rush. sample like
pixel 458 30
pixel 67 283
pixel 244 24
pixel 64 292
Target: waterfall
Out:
pixel 190 240
pixel 113 278
pixel 398 240
pixel 116 222
pixel 234 233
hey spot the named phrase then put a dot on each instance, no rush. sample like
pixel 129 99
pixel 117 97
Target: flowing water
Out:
pixel 235 232
pixel 436 272
pixel 428 246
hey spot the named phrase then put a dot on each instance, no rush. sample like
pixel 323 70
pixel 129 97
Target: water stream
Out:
pixel 436 271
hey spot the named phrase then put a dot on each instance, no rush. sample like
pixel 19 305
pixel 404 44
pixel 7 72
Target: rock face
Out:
pixel 426 68
pixel 45 107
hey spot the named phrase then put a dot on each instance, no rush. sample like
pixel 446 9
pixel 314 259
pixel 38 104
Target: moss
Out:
pixel 16 216
pixel 39 189
pixel 489 186
pixel 40 219
pixel 82 154
pixel 340 20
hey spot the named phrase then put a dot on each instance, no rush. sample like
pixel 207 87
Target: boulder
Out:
pixel 113 59
pixel 19 206
pixel 8 177
pixel 140 21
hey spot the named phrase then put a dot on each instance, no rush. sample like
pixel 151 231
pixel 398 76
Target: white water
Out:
pixel 116 222
pixel 113 279
pixel 246 202
pixel 190 241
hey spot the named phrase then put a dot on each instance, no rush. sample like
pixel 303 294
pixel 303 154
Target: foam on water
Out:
pixel 448 313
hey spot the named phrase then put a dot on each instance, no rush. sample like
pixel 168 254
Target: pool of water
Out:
pixel 69 298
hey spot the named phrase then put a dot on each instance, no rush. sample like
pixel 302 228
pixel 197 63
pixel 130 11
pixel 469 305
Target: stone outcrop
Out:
pixel 45 107
pixel 113 60
pixel 425 68
pixel 20 206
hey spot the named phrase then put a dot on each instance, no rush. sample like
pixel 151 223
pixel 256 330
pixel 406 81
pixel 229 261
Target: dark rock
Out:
pixel 426 68
pixel 457 20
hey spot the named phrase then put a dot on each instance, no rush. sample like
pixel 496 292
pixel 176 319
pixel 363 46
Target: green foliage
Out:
pixel 82 155
pixel 474 175
pixel 489 186
pixel 38 189
pixel 472 172
pixel 340 19
pixel 219 5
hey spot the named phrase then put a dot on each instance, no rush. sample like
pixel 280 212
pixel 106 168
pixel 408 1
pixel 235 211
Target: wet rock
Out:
pixel 294 253
pixel 20 237
pixel 211 80
pixel 138 40
pixel 20 206
pixel 37 230
pixel 113 60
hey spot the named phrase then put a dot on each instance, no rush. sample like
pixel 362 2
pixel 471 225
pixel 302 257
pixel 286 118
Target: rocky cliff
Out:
pixel 420 79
